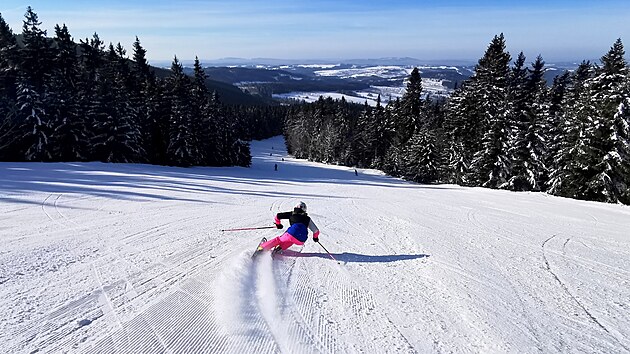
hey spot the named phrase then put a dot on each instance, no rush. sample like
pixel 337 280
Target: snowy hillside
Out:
pixel 104 258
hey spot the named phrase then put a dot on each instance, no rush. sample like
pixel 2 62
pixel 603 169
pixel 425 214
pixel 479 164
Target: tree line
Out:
pixel 63 101
pixel 503 128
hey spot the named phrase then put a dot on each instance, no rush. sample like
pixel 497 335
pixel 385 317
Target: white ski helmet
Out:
pixel 301 206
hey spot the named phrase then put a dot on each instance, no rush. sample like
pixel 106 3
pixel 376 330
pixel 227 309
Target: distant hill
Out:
pixel 362 79
pixel 265 81
pixel 228 93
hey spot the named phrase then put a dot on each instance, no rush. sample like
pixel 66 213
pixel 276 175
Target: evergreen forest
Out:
pixel 87 101
pixel 504 128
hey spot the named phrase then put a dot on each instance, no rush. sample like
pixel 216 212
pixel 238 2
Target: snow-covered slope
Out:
pixel 100 258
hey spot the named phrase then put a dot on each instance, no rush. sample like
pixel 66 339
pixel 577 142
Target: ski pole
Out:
pixel 250 228
pixel 331 256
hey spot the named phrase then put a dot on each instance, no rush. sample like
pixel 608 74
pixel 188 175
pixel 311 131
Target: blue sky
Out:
pixel 300 29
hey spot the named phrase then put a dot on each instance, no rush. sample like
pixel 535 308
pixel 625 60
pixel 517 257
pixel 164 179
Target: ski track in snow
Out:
pixel 129 258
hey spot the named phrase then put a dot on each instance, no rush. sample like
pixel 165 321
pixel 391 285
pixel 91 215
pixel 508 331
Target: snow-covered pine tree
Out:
pixel 538 128
pixel 294 123
pixel 34 126
pixel 89 99
pixel 409 113
pixel 8 66
pixel 339 127
pixel 407 117
pixel 35 53
pixel 455 168
pixel 369 137
pixel 619 156
pixel 529 147
pixel 141 84
pixel 204 118
pixel 147 96
pixel 363 138
pixel 557 95
pixel 519 102
pixel 8 90
pixel 421 157
pixel 118 138
pixel 490 165
pixel 70 136
pixel 459 133
pixel 181 150
pixel 91 58
pixel 608 179
pixel 34 76
pixel 567 177
pixel 234 150
pixel 383 134
pixel 128 130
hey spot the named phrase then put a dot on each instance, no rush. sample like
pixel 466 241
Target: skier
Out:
pixel 296 234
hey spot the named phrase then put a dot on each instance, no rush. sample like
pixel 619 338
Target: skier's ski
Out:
pixel 258 248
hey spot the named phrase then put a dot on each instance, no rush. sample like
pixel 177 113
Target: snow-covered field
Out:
pixel 104 258
pixel 314 96
pixel 433 87
pixel 384 71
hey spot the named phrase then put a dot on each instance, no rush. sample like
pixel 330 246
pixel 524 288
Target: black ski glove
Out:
pixel 279 226
pixel 316 239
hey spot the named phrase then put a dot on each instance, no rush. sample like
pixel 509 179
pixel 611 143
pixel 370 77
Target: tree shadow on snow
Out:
pixel 348 257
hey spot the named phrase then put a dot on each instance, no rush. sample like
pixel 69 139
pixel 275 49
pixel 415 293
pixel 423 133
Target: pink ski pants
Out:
pixel 285 241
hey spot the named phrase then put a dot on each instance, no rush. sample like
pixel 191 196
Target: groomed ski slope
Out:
pixel 115 258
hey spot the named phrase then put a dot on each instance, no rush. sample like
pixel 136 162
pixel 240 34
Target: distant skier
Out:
pixel 297 233
pixel 275 167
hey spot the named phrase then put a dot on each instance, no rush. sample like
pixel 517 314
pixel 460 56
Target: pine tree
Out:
pixel 557 95
pixel 421 158
pixel 234 151
pixel 519 103
pixel 92 58
pixel 181 150
pixel 573 142
pixel 490 165
pixel 118 138
pixel 608 179
pixel 203 125
pixel 8 92
pixel 619 156
pixel 362 138
pixel 409 117
pixel 69 137
pixel 383 133
pixel 34 76
pixel 35 129
pixel 538 127
pixel 146 96
pixel 338 132
pixel 528 146
pixel 36 53
pixel 93 94
pixel 456 168
pixel 8 65
pixel 477 121
pixel 141 67
pixel 460 131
